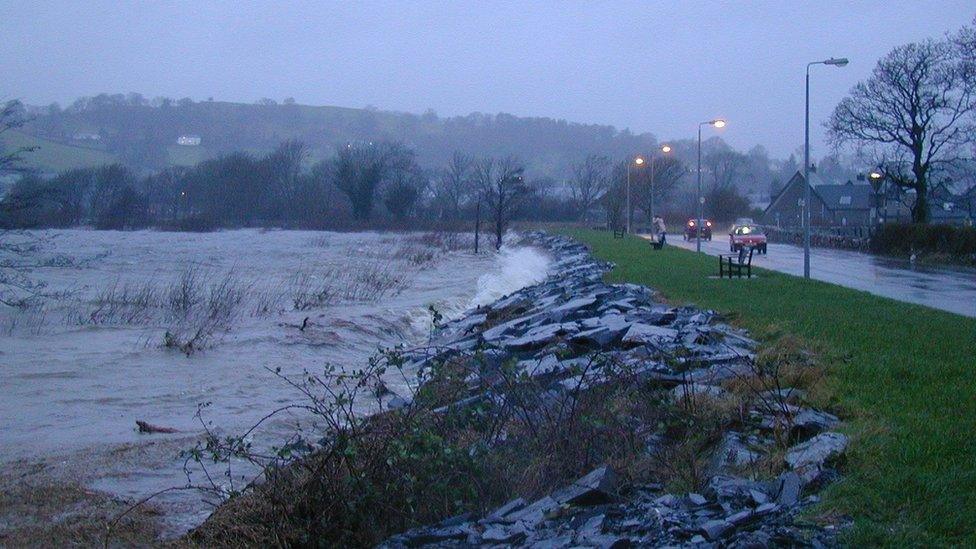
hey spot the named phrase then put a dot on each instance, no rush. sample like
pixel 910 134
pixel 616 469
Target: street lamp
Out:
pixel 664 149
pixel 877 182
pixel 808 194
pixel 639 162
pixel 718 123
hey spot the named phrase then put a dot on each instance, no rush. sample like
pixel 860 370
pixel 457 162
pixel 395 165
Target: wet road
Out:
pixel 947 288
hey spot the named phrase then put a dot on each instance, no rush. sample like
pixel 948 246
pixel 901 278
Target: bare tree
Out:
pixel 12 117
pixel 454 183
pixel 965 41
pixel 404 190
pixel 726 167
pixel 913 116
pixel 16 247
pixel 502 190
pixel 284 168
pixel 615 199
pixel 359 169
pixel 668 172
pixel 590 181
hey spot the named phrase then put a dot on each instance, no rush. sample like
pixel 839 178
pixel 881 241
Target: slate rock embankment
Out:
pixel 551 331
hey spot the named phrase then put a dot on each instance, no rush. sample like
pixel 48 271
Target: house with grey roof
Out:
pixel 849 204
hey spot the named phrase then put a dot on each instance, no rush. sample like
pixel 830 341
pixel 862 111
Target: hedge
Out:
pixel 947 240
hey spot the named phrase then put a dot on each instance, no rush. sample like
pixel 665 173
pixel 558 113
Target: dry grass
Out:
pixel 40 512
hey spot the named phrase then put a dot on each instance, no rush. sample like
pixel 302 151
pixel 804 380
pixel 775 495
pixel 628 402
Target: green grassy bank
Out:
pixel 903 376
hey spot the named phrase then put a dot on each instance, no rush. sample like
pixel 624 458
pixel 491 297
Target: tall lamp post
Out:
pixel 639 162
pixel 808 194
pixel 664 149
pixel 718 123
pixel 877 181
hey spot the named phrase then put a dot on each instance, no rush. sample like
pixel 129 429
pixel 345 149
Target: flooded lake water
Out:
pixel 78 371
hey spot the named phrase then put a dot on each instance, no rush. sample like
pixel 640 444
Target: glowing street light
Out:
pixel 718 123
pixel 639 162
pixel 664 149
pixel 808 194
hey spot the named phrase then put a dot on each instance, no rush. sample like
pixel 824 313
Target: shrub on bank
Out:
pixel 956 243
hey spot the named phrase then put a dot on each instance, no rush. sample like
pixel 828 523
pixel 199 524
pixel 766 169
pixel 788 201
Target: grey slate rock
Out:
pixel 733 491
pixel 697 499
pixel 715 529
pixel 732 452
pixel 808 458
pixel 558 542
pixel 506 509
pixel 809 422
pixel 539 336
pixel 546 365
pixel 592 527
pixel 790 486
pixel 597 338
pixel 759 497
pixel 398 402
pixel 535 513
pixel 639 334
pixel 512 534
pixel 569 308
pixel 596 487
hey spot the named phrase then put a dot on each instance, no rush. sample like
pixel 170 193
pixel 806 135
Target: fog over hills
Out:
pixel 145 134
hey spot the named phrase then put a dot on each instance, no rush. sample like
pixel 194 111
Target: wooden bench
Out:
pixel 618 233
pixel 736 264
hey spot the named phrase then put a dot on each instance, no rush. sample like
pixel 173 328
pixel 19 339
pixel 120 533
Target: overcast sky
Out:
pixel 660 67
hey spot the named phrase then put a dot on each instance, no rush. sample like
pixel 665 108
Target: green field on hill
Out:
pixel 52 156
pixel 902 376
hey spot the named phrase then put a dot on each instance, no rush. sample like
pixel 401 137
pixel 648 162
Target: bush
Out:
pixel 957 243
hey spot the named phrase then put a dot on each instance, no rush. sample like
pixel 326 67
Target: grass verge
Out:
pixel 903 374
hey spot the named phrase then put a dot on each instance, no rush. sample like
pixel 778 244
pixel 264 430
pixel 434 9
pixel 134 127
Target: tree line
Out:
pixel 362 185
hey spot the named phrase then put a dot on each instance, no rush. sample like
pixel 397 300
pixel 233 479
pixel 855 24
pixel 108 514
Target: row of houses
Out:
pixel 187 140
pixel 858 204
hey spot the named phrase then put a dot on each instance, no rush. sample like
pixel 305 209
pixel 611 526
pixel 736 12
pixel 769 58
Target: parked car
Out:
pixel 706 232
pixel 747 235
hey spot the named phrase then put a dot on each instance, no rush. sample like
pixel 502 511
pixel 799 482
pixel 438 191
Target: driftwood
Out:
pixel 145 427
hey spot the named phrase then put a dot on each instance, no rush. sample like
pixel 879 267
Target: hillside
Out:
pixel 143 135
pixel 52 156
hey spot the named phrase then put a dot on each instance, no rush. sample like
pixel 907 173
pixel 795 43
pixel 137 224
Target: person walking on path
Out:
pixel 660 229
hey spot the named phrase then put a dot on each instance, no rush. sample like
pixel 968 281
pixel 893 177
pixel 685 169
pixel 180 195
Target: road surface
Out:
pixel 947 288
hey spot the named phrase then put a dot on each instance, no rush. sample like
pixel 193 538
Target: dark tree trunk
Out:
pixel 920 211
pixel 362 206
pixel 499 227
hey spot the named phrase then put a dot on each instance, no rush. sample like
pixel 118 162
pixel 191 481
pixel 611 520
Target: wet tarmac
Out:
pixel 951 289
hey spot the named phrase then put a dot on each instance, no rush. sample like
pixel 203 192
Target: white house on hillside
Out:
pixel 188 140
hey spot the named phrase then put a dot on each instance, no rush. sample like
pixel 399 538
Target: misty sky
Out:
pixel 660 67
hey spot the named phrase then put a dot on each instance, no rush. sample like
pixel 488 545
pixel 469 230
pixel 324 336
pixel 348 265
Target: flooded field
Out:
pixel 148 325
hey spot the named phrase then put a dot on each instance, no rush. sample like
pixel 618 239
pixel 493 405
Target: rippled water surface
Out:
pixel 77 374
